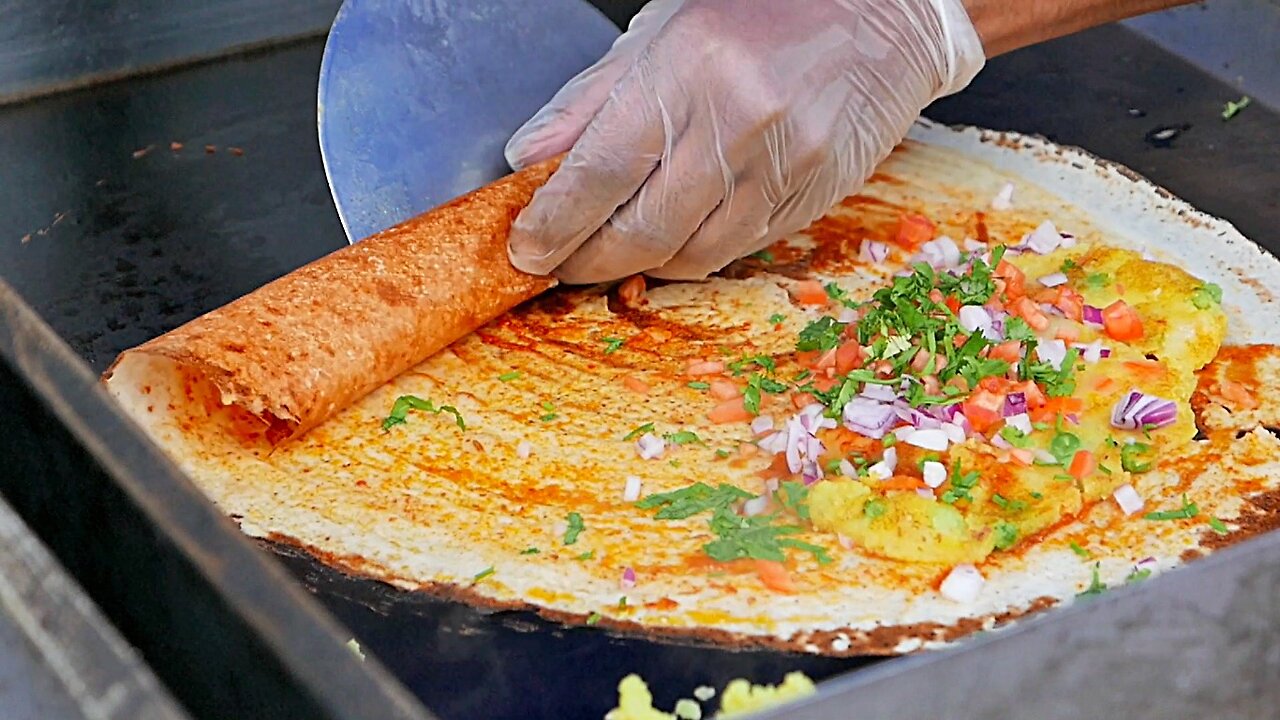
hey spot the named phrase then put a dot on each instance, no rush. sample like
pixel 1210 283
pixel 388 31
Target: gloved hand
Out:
pixel 714 127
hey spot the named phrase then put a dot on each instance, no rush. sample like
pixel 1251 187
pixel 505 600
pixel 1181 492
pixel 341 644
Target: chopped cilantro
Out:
pixel 508 377
pixel 821 334
pixel 874 508
pixel 743 364
pixel 674 463
pixel 574 528
pixel 1096 280
pixel 1219 526
pixel 1131 457
pixel 1006 535
pixel 483 574
pixel 1068 265
pixel 1036 495
pixel 1096 586
pixel 698 385
pixel 1233 107
pixel 795 497
pixel 777 319
pixel 1138 575
pixel 586 555
pixel 763 256
pixel 1188 510
pixel 755 538
pixel 1008 505
pixel 638 431
pixel 622 602
pixel 840 295
pixel 1015 328
pixel 889 440
pixel 961 484
pixel 548 405
pixel 530 551
pixel 548 417
pixel 683 437
pixel 1206 296
pixel 686 502
pixel 722 453
pixel 403 404
pixel 1075 548
pixel 1104 469
pixel 612 345
pixel 594 618
pixel 1015 437
pixel 755 384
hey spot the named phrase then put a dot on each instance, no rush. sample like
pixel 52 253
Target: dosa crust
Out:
pixel 295 351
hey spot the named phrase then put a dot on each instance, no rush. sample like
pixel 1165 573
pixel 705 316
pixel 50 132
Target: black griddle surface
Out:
pixel 146 243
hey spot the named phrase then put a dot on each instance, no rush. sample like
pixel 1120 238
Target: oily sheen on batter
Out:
pixel 513 496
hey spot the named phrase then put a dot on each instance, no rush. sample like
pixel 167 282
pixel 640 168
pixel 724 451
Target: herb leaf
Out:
pixel 483 574
pixel 611 345
pixel 637 432
pixel 1188 510
pixel 683 437
pixel 405 403
pixel 686 502
pixel 1206 296
pixel 574 528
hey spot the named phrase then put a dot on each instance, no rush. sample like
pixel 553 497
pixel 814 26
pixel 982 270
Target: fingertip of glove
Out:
pixel 527 254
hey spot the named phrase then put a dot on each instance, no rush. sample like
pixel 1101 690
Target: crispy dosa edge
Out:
pixel 309 344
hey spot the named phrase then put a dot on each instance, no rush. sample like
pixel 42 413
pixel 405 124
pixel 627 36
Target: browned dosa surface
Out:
pixel 312 342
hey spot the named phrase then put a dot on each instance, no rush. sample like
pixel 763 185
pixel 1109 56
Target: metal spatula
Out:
pixel 418 97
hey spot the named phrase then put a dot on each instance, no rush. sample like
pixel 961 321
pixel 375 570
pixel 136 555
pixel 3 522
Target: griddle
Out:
pixel 114 237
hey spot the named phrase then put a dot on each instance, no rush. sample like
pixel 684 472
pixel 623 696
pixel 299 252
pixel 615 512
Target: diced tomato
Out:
pixel 1070 302
pixel 1028 310
pixel 802 400
pixel 635 385
pixel 1082 465
pixel 1009 351
pixel 775 576
pixel 1053 406
pixel 1121 322
pixel 777 469
pixel 1151 368
pixel 848 357
pixel 823 382
pixel 704 367
pixel 807 357
pixel 722 389
pixel 1237 395
pixel 953 304
pixel 1034 395
pixel 1015 281
pixel 906 483
pixel 729 411
pixel 996 384
pixel 984 409
pixel 810 292
pixel 1104 383
pixel 915 230
pixel 826 360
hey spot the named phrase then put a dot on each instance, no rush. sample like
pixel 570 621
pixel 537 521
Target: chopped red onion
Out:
pixel 1092 352
pixel 1003 199
pixel 974 246
pixel 848 315
pixel 523 449
pixel 755 506
pixel 940 253
pixel 928 439
pixel 761 425
pixel 883 469
pixel 1021 421
pixel 844 541
pixel 1044 239
pixel 1052 310
pixel 1052 352
pixel 628 578
pixel 915 417
pixel 882 393
pixel 1068 240
pixel 1015 403
pixel 935 473
pixel 775 443
pixel 999 441
pixel 631 490
pixel 954 433
pixel 873 251
pixel 847 469
pixel 962 422
pixel 1092 315
pixel 1137 410
pixel 1128 499
pixel 1053 280
pixel 650 446
pixel 868 417
pixel 926 493
pixel 1044 456
pixel 962 584
pixel 974 318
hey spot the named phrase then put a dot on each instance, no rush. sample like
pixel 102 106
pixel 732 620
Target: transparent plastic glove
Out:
pixel 714 127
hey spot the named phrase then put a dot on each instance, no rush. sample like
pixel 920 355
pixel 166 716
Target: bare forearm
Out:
pixel 1006 25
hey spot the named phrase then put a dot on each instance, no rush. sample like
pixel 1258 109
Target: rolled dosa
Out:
pixel 290 354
